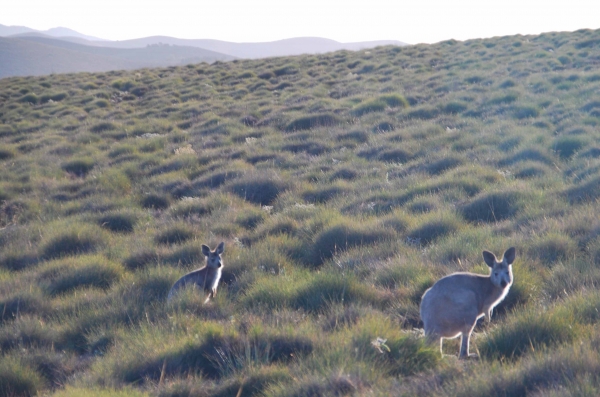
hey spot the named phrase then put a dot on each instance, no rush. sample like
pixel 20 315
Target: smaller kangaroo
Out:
pixel 206 278
pixel 454 304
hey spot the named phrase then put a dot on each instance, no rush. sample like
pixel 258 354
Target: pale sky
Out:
pixel 414 21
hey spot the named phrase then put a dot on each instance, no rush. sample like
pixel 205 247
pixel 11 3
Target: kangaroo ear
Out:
pixel 489 258
pixel 509 255
pixel 220 248
pixel 205 250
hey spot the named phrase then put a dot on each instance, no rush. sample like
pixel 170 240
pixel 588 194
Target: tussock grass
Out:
pixel 175 235
pixel 331 288
pixel 434 227
pixel 99 392
pixel 528 331
pixel 119 223
pixel 260 189
pixel 154 201
pixel 340 237
pixel 310 122
pixel 343 185
pixel 78 239
pixel 67 275
pixel 17 379
pixel 21 304
pixel 256 382
pixel 79 167
pixel 493 206
pixel 553 248
pixel 26 333
pixel 567 146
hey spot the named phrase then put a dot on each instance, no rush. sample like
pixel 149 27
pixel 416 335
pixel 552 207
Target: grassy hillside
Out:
pixel 343 186
pixel 34 56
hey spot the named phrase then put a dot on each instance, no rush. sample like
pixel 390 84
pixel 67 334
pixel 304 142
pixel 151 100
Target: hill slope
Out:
pixel 343 186
pixel 58 32
pixel 35 55
pixel 287 47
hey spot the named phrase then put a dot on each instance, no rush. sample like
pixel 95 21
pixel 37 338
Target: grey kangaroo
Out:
pixel 206 278
pixel 452 306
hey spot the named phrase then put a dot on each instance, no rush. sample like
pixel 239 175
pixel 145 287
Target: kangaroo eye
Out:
pixel 496 273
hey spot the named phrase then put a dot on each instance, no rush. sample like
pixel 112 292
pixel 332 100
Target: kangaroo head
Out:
pixel 213 258
pixel 501 274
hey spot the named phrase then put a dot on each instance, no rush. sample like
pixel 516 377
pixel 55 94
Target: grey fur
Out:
pixel 453 305
pixel 206 278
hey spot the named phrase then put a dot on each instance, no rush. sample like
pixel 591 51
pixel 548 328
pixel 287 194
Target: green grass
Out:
pixel 343 185
pixel 17 379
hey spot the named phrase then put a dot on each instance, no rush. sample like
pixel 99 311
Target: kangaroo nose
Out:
pixel 503 283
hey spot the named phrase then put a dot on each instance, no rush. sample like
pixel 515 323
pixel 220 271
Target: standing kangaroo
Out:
pixel 206 278
pixel 452 306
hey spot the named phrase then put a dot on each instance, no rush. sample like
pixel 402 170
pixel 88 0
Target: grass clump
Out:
pixel 79 167
pixel 6 154
pixel 433 229
pixel 394 100
pixel 342 236
pixel 260 189
pixel 251 218
pixel 71 274
pixel 528 331
pixel 397 155
pixel 530 170
pixel 71 391
pixel 27 303
pixel 492 207
pixel 328 288
pixel 118 223
pixel 17 379
pixel 30 98
pixel 310 122
pixel 155 201
pixel 18 261
pixel 525 112
pixel 454 107
pixel 214 355
pixel 286 70
pixel 442 165
pixel 567 146
pixel 174 235
pixel 55 97
pixel 79 240
pixel 102 127
pixel 255 383
pixel 323 194
pixel 369 107
pixel 552 248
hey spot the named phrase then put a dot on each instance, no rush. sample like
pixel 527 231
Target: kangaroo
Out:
pixel 454 304
pixel 206 278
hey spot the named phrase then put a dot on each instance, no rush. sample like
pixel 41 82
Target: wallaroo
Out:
pixel 452 306
pixel 206 278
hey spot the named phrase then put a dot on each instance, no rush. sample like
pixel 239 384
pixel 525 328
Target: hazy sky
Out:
pixel 414 21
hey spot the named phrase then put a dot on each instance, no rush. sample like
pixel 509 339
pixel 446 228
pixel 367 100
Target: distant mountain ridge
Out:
pixel 36 55
pixel 285 47
pixel 54 32
pixel 25 51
